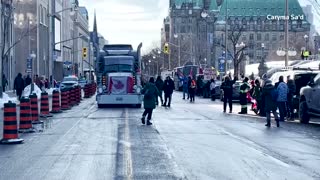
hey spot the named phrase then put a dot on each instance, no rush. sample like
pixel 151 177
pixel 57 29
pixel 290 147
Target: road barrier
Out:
pixel 86 91
pixel 78 94
pixel 44 110
pixel 34 109
pixel 65 105
pixel 25 125
pixel 10 125
pixel 73 97
pixel 56 102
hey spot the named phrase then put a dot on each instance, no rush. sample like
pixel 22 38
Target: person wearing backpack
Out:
pixel 168 91
pixel 192 90
pixel 150 92
pixel 282 98
pixel 244 89
pixel 268 93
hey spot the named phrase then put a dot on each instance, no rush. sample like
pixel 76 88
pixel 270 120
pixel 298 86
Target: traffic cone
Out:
pixel 25 125
pixel 65 105
pixel 34 109
pixel 44 110
pixel 10 125
pixel 56 102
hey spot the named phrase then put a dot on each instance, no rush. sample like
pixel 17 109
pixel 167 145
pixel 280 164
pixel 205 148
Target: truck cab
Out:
pixel 119 76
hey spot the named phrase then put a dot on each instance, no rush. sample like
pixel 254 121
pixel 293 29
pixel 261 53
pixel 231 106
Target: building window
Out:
pixel 266 37
pixel 44 16
pixel 274 37
pixel 244 37
pixel 274 25
pixel 281 37
pixel 258 37
pixel 251 37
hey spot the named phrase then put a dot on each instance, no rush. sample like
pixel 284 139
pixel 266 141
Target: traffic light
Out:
pixel 84 52
pixel 166 48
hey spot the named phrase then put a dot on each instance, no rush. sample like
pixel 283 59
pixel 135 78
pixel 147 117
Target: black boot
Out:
pixel 149 123
pixel 278 123
pixel 143 120
pixel 268 124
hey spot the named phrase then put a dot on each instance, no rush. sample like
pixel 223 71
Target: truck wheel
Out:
pixel 303 112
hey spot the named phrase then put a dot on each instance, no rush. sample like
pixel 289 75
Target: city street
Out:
pixel 187 141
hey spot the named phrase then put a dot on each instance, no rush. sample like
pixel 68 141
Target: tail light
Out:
pixel 130 84
pixel 134 80
pixel 104 80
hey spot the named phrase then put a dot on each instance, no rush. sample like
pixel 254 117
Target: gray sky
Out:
pixel 128 21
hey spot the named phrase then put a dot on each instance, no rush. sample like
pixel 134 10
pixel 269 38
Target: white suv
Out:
pixel 310 100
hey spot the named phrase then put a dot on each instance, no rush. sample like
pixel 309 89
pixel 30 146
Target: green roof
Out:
pixel 250 7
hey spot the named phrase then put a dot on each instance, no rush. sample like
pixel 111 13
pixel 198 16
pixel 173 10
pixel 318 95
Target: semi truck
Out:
pixel 119 76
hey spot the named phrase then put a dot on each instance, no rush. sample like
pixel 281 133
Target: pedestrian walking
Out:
pixel 244 89
pixel 213 90
pixel 27 81
pixel 206 89
pixel 257 95
pixel 185 87
pixel 227 88
pixel 159 85
pixel 192 90
pixel 151 93
pixel 4 83
pixel 268 92
pixel 168 90
pixel 282 91
pixel 292 90
pixel 18 85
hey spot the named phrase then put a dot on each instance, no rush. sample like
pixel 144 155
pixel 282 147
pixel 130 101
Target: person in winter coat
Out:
pixel 159 85
pixel 270 103
pixel 227 88
pixel 4 83
pixel 292 90
pixel 192 89
pixel 257 95
pixel 185 88
pixel 283 91
pixel 168 88
pixel 151 93
pixel 244 89
pixel 28 80
pixel 19 85
pixel 213 90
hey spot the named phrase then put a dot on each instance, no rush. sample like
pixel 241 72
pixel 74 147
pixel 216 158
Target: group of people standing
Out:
pixel 269 98
pixel 153 90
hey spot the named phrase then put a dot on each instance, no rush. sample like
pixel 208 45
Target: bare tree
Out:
pixel 7 11
pixel 236 53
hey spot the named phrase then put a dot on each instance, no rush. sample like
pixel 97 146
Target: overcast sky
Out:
pixel 128 21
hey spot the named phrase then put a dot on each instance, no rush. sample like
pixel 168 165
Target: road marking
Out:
pixel 127 149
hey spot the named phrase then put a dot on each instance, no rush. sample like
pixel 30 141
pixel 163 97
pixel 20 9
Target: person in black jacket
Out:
pixel 159 84
pixel 227 87
pixel 168 88
pixel 19 85
pixel 28 81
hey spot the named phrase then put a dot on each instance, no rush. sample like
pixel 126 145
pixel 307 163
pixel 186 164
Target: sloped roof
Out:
pixel 250 7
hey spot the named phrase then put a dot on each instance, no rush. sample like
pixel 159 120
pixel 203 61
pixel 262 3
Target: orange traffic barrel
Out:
pixel 44 109
pixel 25 125
pixel 56 102
pixel 73 96
pixel 65 105
pixel 10 125
pixel 79 94
pixel 34 109
pixel 86 91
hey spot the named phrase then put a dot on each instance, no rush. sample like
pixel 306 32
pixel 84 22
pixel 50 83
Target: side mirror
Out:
pixel 311 83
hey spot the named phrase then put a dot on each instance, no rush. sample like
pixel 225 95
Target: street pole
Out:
pixel 90 44
pixel 52 40
pixel 286 34
pixel 226 41
pixel 179 51
pixel 82 61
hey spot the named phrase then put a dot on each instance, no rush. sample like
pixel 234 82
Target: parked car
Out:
pixel 82 82
pixel 235 92
pixel 309 100
pixel 301 78
pixel 69 81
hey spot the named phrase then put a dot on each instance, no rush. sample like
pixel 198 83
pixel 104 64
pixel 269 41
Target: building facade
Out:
pixel 31 31
pixel 200 27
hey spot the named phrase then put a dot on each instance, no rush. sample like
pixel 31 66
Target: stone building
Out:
pixel 199 26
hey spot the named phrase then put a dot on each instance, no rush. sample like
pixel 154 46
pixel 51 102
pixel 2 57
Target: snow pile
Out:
pixel 49 91
pixel 6 98
pixel 27 91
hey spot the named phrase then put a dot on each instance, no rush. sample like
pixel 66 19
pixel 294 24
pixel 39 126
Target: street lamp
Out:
pixel 179 46
pixel 286 52
pixel 306 38
pixel 262 66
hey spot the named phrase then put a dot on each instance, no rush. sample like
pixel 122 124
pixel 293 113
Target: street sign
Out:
pixel 208 74
pixel 29 66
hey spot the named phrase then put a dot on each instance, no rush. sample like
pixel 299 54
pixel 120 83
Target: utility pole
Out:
pixel 226 41
pixel 90 45
pixel 52 40
pixel 286 33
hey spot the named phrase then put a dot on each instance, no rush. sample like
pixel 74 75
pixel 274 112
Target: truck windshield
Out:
pixel 118 68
